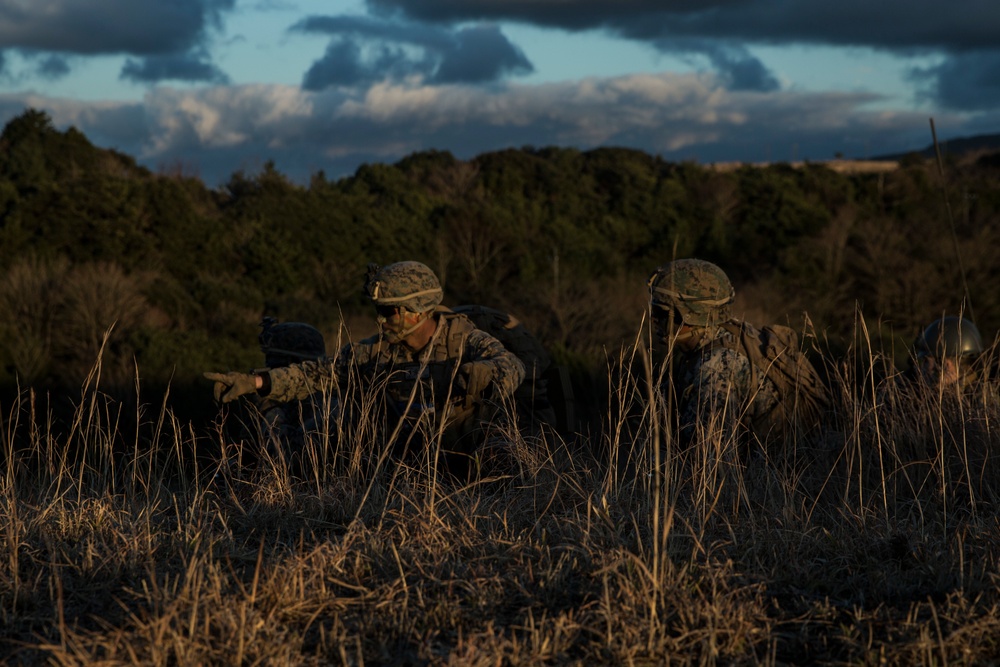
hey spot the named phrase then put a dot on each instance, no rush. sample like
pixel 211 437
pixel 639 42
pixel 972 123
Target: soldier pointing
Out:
pixel 431 371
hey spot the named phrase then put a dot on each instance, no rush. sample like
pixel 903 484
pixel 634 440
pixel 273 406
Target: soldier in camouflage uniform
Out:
pixel 434 375
pixel 946 354
pixel 725 385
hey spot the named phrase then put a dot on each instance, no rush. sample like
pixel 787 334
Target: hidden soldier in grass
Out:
pixel 430 376
pixel 733 379
pixel 945 360
pixel 946 355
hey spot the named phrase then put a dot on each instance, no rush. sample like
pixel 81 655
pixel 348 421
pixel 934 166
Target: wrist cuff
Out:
pixel 265 387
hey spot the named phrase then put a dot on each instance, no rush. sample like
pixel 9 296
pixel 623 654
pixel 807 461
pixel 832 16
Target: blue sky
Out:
pixel 217 86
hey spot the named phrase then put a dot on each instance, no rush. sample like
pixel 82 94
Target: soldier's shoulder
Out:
pixel 456 323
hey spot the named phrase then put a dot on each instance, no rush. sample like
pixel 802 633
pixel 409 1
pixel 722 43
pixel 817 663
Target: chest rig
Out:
pixel 420 384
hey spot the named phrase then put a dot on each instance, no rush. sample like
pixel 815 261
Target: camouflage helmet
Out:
pixel 949 337
pixel 696 290
pixel 409 285
pixel 289 342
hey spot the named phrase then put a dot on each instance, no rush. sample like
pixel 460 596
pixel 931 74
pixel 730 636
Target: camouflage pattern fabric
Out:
pixel 414 385
pixel 411 285
pixel 718 391
pixel 698 291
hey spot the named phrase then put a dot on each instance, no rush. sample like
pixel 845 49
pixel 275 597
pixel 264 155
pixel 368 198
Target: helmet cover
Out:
pixel 409 285
pixel 694 289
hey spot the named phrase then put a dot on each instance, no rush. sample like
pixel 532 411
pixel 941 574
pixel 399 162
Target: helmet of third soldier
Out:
pixel 696 290
pixel 287 343
pixel 949 337
pixel 409 285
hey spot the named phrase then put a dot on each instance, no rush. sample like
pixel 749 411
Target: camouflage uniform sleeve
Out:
pixel 299 381
pixel 508 371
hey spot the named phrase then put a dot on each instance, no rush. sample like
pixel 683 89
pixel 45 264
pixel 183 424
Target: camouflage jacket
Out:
pixel 408 381
pixel 720 392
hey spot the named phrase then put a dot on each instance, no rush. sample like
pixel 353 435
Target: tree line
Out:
pixel 181 274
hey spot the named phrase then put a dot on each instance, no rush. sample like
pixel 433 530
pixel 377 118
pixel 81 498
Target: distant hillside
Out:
pixel 563 238
pixel 958 147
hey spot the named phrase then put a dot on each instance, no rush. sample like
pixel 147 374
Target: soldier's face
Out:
pixel 669 326
pixel 939 372
pixel 394 322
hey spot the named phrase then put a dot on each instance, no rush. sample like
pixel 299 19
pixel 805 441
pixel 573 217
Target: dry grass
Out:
pixel 877 544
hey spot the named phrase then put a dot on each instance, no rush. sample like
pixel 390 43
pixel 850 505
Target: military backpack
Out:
pixel 775 351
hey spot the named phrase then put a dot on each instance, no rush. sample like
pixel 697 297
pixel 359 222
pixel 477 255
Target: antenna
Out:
pixel 951 222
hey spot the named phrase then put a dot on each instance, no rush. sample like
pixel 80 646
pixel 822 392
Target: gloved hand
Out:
pixel 230 386
pixel 474 379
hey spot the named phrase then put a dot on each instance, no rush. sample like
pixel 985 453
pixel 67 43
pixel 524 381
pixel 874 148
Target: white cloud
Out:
pixel 682 116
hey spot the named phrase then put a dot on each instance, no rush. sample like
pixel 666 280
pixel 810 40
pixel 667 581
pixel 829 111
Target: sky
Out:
pixel 212 87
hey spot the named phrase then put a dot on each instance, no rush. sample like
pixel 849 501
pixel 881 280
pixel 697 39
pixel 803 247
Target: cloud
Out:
pixel 734 62
pixel 92 27
pixel 693 116
pixel 365 50
pixel 480 53
pixel 189 68
pixel 889 24
pixel 720 30
pixel 968 81
pixel 53 67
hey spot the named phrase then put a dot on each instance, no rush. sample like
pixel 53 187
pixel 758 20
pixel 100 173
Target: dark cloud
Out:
pixel 744 73
pixel 889 24
pixel 967 81
pixel 348 62
pixel 90 27
pixel 364 50
pixel 966 33
pixel 478 54
pixel 188 68
pixel 572 15
pixel 734 62
pixel 340 66
pixel 53 67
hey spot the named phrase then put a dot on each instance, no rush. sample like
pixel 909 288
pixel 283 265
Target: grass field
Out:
pixel 137 539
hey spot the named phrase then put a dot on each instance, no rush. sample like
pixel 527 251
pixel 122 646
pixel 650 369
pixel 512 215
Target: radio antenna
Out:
pixel 951 222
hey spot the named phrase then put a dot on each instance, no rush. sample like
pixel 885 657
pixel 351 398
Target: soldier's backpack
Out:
pixel 546 392
pixel 775 351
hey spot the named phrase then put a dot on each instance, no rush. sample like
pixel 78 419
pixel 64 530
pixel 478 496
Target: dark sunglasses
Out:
pixel 664 315
pixel 387 311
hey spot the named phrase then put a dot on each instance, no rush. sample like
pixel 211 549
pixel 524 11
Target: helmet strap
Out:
pixel 398 336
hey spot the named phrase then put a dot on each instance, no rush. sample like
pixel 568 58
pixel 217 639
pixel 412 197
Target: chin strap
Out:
pixel 397 336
